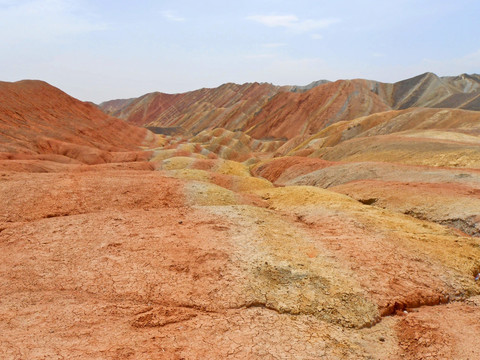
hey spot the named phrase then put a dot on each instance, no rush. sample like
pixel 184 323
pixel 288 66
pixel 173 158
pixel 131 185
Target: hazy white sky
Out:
pixel 100 50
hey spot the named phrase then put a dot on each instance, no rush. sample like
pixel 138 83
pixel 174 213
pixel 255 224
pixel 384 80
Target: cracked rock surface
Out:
pixel 132 264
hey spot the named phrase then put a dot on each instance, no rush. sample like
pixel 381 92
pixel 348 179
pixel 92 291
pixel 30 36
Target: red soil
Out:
pixel 40 119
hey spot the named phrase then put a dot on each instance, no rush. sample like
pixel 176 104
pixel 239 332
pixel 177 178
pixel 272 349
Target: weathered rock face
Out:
pixel 194 254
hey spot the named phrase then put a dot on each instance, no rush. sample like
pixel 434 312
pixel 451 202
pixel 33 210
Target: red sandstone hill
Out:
pixel 290 114
pixel 443 125
pixel 264 110
pixel 40 121
pixel 421 162
pixel 228 106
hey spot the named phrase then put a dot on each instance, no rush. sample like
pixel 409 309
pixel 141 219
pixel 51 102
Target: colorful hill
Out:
pixel 39 121
pixel 430 90
pixel 264 110
pixel 228 106
pixel 355 238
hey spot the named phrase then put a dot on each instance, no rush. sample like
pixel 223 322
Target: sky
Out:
pixel 101 50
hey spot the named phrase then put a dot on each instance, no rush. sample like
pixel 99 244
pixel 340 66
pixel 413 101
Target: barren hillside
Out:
pixel 356 239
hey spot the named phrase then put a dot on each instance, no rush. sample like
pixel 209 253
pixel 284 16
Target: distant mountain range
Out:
pixel 264 110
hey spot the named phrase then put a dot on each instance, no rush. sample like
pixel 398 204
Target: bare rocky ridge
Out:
pixel 358 241
pixel 39 121
pixel 429 90
pixel 228 106
pixel 263 110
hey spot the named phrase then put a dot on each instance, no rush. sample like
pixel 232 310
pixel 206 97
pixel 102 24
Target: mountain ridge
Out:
pixel 247 106
pixel 39 119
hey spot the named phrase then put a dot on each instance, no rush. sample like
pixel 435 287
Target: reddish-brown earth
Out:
pixel 453 204
pixel 208 247
pixel 264 110
pixel 279 170
pixel 228 106
pixel 41 122
pixel 290 114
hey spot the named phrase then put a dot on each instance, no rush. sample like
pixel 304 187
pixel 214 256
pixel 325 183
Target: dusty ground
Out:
pixel 131 264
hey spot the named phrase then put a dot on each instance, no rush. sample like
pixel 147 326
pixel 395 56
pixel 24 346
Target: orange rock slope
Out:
pixel 42 122
pixel 213 248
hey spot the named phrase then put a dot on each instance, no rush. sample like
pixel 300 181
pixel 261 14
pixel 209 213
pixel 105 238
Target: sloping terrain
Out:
pixel 261 110
pixel 430 90
pixel 291 114
pixel 208 247
pixel 443 137
pixel 420 162
pixel 39 121
pixel 136 264
pixel 264 110
pixel 228 106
